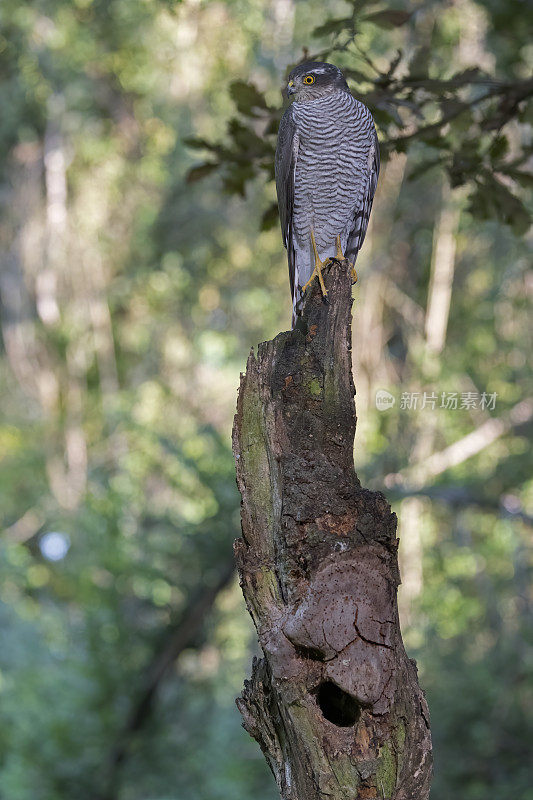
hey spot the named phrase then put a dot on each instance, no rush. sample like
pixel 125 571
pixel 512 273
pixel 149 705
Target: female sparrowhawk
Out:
pixel 327 166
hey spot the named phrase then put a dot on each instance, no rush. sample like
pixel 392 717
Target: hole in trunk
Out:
pixel 309 652
pixel 337 706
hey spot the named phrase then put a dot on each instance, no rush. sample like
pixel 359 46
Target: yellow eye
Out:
pixel 309 79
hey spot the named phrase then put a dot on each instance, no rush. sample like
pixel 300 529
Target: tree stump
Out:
pixel 334 703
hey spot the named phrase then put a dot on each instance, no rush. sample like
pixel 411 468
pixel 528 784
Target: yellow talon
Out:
pixel 317 272
pixel 339 255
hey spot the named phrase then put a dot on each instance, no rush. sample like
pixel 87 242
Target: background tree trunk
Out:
pixel 335 703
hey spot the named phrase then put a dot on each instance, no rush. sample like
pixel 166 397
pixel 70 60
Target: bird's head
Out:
pixel 314 79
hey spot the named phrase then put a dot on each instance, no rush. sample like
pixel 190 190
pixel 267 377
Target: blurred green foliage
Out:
pixel 129 301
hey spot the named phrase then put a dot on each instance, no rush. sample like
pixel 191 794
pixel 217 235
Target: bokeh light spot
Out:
pixel 54 545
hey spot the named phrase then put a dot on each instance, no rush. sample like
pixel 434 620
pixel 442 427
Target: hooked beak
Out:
pixel 291 88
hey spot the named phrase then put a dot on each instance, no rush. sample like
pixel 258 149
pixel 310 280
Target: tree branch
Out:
pixel 464 448
pixel 178 636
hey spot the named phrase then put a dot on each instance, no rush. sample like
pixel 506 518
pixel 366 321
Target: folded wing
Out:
pixel 285 165
pixel 362 214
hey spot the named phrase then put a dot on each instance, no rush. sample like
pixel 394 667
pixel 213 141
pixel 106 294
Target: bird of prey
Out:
pixel 327 166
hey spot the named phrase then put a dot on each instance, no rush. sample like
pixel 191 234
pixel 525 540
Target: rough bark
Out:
pixel 335 702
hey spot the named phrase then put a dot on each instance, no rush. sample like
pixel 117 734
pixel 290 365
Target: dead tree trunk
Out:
pixel 335 703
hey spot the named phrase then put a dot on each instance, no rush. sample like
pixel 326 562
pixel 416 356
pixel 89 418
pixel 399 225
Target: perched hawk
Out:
pixel 327 166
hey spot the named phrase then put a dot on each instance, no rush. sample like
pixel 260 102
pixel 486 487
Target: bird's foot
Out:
pixel 317 273
pixel 339 256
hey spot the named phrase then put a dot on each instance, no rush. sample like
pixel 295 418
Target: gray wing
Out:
pixel 285 165
pixel 362 214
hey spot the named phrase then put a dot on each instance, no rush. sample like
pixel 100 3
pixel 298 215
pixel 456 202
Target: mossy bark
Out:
pixel 335 702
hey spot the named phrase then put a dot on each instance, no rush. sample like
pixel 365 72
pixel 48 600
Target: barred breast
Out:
pixel 335 137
